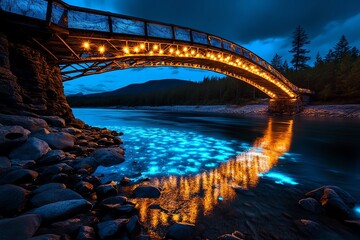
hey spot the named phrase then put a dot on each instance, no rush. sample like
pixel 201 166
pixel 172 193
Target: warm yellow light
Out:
pixel 219 55
pixel 208 54
pixel 197 55
pixel 186 54
pixel 171 50
pixel 136 49
pixel 151 52
pixel 161 51
pixel 142 46
pixel 185 49
pixel 155 47
pixel 126 50
pixel 101 49
pixel 193 52
pixel 177 52
pixel 86 45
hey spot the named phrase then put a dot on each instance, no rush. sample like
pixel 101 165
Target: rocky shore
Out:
pixel 339 111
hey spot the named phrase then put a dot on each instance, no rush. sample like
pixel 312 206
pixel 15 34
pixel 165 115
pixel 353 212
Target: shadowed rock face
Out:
pixel 29 85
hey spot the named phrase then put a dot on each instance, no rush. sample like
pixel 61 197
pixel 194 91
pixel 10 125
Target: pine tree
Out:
pixel 318 60
pixel 276 62
pixel 341 49
pixel 300 57
pixel 330 56
pixel 285 66
pixel 355 52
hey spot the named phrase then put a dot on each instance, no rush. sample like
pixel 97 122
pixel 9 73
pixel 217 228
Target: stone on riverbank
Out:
pixel 12 136
pixel 180 231
pixel 334 205
pixel 345 196
pixel 58 140
pixel 51 157
pixel 109 156
pixel 12 200
pixel 54 121
pixel 33 148
pixel 109 229
pixel 5 164
pixel 19 228
pixel 16 175
pixel 308 227
pixel 62 210
pixel 86 233
pixel 47 187
pixel 27 122
pixel 146 191
pixel 106 190
pixel 311 205
pixel 54 195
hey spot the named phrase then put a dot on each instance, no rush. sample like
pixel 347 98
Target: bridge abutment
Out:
pixel 285 106
pixel 29 85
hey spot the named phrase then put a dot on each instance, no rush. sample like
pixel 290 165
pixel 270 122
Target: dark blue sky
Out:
pixel 263 26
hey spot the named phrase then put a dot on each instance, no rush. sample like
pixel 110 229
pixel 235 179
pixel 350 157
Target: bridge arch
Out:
pixel 85 42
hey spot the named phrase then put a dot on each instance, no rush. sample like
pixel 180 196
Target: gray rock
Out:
pixel 179 231
pixel 56 168
pixel 83 187
pixel 133 227
pixel 47 187
pixel 5 164
pixel 345 196
pixel 33 149
pixel 109 229
pixel 54 121
pixel 12 200
pixel 54 195
pixel 19 228
pixel 334 205
pixel 12 136
pixel 113 200
pixel 72 226
pixel 62 210
pixel 18 175
pixel 106 190
pixel 109 156
pixel 23 163
pixel 86 233
pixel 27 122
pixel 53 156
pixel 310 204
pixel 146 191
pixel 58 140
pixel 72 130
pixel 46 237
pixel 308 227
pixel 88 163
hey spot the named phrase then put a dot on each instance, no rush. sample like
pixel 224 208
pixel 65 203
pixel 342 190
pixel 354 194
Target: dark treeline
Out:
pixel 210 91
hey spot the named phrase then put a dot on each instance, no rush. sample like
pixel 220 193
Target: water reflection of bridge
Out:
pixel 184 198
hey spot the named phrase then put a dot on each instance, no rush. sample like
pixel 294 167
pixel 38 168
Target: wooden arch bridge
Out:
pixel 83 42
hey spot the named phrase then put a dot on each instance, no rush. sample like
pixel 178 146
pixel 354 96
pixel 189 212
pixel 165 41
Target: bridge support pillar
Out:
pixel 285 106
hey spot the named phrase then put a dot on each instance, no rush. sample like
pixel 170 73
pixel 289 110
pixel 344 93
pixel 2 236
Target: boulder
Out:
pixel 109 229
pixel 54 121
pixel 133 227
pixel 23 163
pixel 334 205
pixel 310 204
pixel 58 140
pixel 27 122
pixel 19 228
pixel 88 163
pixel 108 156
pixel 113 200
pixel 12 136
pixel 72 226
pixel 146 191
pixel 62 210
pixel 12 200
pixel 16 175
pixel 56 168
pixel 72 130
pixel 33 149
pixel 47 187
pixel 51 157
pixel 308 227
pixel 84 188
pixel 54 195
pixel 86 233
pixel 5 164
pixel 345 196
pixel 47 237
pixel 106 190
pixel 179 231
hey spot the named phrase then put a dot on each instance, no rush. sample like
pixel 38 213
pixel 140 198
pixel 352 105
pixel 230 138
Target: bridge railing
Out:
pixel 70 17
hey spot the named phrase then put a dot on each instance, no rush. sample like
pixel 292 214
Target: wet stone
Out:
pixel 51 157
pixel 22 227
pixel 33 148
pixel 86 233
pixel 109 229
pixel 106 190
pixel 5 164
pixel 12 200
pixel 18 175
pixel 54 195
pixel 334 205
pixel 12 136
pixel 133 227
pixel 179 231
pixel 146 191
pixel 47 187
pixel 311 205
pixel 84 187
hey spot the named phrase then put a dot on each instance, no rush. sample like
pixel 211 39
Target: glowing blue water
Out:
pixel 151 151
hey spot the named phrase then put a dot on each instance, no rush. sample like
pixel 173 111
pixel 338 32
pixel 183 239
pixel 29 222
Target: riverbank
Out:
pixel 341 111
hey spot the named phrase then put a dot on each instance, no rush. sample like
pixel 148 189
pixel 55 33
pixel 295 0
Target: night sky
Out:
pixel 263 26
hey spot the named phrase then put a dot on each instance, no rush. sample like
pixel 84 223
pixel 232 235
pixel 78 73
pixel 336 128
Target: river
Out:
pixel 226 173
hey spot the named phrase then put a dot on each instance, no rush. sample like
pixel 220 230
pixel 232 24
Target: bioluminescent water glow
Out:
pixel 157 152
pixel 279 178
pixel 357 210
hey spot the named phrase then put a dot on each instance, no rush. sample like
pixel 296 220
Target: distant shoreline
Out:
pixel 333 110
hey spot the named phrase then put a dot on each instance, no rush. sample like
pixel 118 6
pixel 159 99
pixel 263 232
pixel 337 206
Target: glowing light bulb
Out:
pixel 155 47
pixel 151 52
pixel 208 54
pixel 142 46
pixel 101 49
pixel 126 50
pixel 136 49
pixel 86 45
pixel 192 52
pixel 185 49
pixel 171 50
pixel 161 51
pixel 177 52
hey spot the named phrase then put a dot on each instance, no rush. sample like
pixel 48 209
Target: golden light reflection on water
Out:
pixel 183 198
